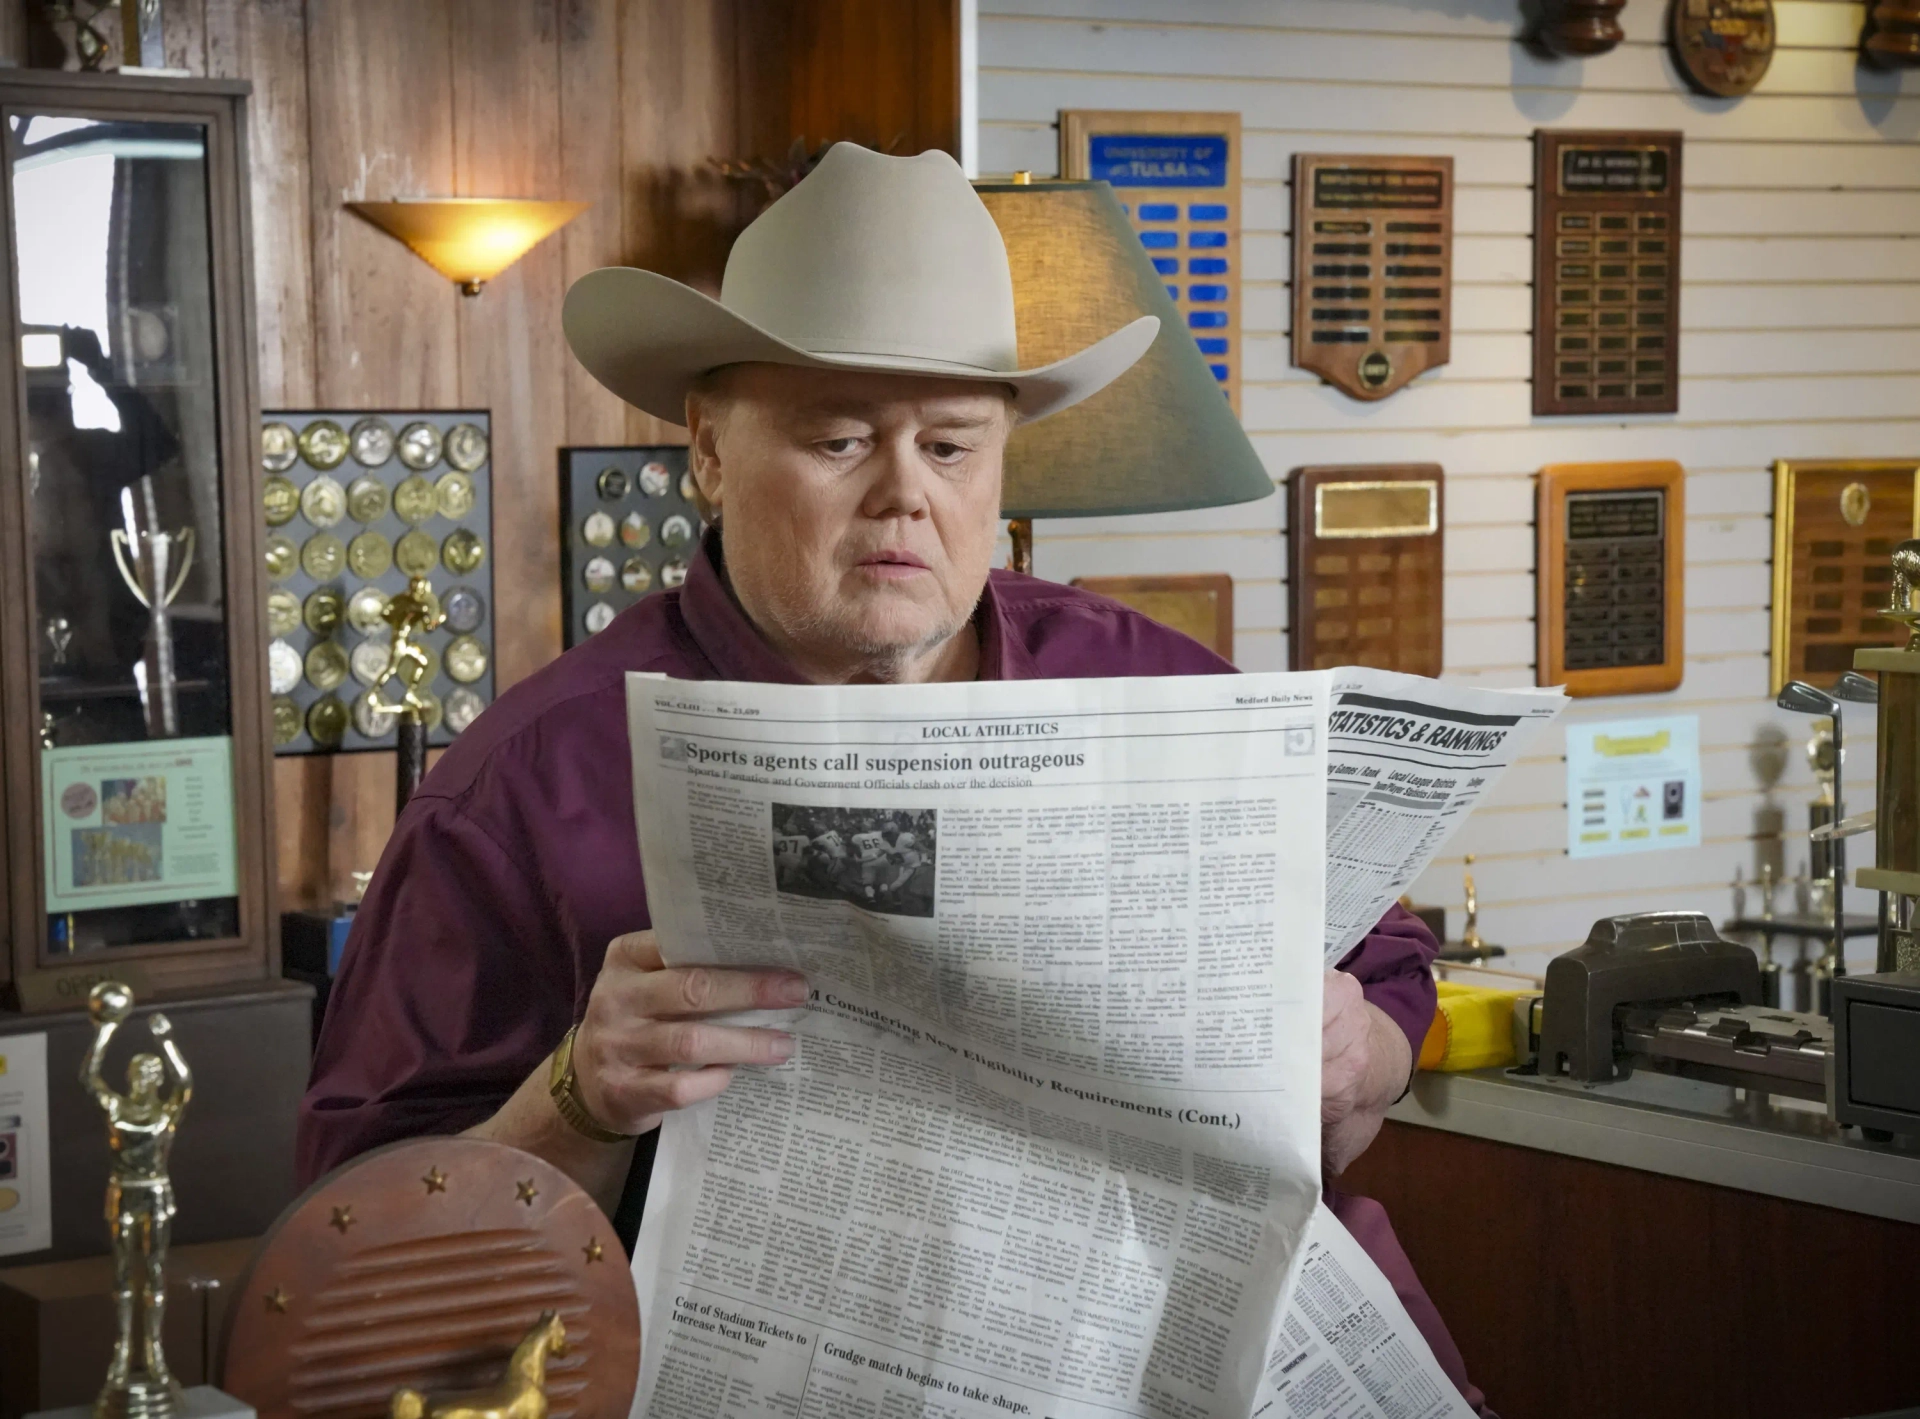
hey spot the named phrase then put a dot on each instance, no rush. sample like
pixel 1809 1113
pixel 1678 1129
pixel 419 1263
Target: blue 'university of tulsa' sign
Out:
pixel 1160 160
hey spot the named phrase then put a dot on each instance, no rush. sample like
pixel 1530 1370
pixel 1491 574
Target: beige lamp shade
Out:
pixel 1160 438
pixel 470 240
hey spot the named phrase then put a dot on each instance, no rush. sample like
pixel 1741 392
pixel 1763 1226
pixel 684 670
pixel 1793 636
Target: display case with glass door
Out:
pixel 135 759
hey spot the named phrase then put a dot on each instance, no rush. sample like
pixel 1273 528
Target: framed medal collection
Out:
pixel 355 504
pixel 628 527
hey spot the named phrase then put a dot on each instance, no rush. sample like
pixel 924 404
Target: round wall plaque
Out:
pixel 1723 46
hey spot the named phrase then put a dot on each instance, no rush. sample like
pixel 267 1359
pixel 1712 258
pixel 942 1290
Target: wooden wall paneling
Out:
pixel 386 325
pixel 505 70
pixel 590 164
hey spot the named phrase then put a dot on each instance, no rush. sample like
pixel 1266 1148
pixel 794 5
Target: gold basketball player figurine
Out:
pixel 521 1395
pixel 1470 932
pixel 140 1130
pixel 412 614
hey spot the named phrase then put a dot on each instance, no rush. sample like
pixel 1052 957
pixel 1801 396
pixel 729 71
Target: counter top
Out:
pixel 1711 1133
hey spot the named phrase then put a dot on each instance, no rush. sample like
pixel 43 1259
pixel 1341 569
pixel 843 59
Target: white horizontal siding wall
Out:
pixel 1801 319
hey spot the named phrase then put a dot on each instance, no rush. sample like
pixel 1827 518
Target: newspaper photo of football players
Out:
pixel 877 858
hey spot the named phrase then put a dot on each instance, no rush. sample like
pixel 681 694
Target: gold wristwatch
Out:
pixel 565 1088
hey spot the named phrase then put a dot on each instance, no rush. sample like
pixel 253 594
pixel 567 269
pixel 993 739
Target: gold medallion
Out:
pixel 280 500
pixel 598 575
pixel 282 557
pixel 323 556
pixel 369 555
pixel 676 531
pixel 432 715
pixel 612 484
pixel 673 574
pixel 326 665
pixel 416 554
pixel 283 613
pixel 371 722
pixel 420 446
pixel 655 480
pixel 463 708
pixel 323 501
pixel 364 608
pixel 635 575
pixel 599 617
pixel 327 722
pixel 635 530
pixel 372 442
pixel 414 501
pixel 465 610
pixel 597 530
pixel 463 551
pixel 466 659
pixel 286 721
pixel 369 658
pixel 466 447
pixel 323 611
pixel 278 447
pixel 1855 503
pixel 284 668
pixel 323 444
pixel 366 499
pixel 688 488
pixel 454 494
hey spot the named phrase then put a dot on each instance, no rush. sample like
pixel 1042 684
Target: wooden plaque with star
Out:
pixel 421 1265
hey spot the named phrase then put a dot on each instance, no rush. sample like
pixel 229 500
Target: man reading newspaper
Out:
pixel 849 399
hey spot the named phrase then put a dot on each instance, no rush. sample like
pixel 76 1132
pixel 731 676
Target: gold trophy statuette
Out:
pixel 521 1395
pixel 140 1129
pixel 412 614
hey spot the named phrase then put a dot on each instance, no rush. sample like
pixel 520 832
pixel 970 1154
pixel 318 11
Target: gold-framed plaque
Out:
pixel 1366 567
pixel 1198 606
pixel 1835 524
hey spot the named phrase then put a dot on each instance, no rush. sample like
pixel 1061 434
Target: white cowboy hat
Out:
pixel 869 262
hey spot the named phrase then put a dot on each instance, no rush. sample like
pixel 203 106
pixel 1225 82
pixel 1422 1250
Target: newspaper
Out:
pixel 1346 1348
pixel 1049 1143
pixel 1407 760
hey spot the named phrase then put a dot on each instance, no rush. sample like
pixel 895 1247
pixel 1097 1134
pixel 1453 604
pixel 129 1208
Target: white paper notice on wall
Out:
pixel 1633 785
pixel 26 1195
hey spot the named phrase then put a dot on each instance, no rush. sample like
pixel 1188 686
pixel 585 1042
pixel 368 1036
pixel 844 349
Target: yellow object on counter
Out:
pixel 1472 1028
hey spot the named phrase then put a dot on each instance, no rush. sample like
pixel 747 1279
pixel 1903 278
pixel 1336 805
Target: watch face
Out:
pixel 369 555
pixel 281 556
pixel 372 443
pixel 326 666
pixel 612 484
pixel 598 575
pixel 286 721
pixel 369 660
pixel 466 608
pixel 676 531
pixel 366 499
pixel 673 574
pixel 463 551
pixel 416 554
pixel 283 612
pixel 599 616
pixel 279 446
pixel 280 500
pixel 635 575
pixel 372 723
pixel 327 722
pixel 454 494
pixel 364 608
pixel 323 444
pixel 597 530
pixel 323 611
pixel 323 501
pixel 415 500
pixel 655 480
pixel 635 530
pixel 284 668
pixel 420 446
pixel 323 556
pixel 463 708
pixel 466 447
pixel 466 660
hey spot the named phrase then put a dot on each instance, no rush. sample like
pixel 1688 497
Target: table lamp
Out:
pixel 1162 437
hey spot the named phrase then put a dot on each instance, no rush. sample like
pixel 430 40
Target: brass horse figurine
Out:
pixel 521 1395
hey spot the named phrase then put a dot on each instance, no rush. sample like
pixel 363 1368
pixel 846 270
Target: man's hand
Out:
pixel 644 1049
pixel 1364 1065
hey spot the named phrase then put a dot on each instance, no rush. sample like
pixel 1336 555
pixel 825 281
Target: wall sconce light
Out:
pixel 469 240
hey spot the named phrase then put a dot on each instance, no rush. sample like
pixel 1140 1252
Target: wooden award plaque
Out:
pixel 1197 606
pixel 1834 524
pixel 422 1265
pixel 1606 273
pixel 1366 561
pixel 1372 269
pixel 1177 176
pixel 1723 46
pixel 1612 577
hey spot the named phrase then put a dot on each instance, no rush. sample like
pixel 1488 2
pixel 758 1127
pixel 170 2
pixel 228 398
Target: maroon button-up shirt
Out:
pixel 516 863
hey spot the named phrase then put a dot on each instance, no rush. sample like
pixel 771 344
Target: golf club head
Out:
pixel 1802 698
pixel 1857 689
